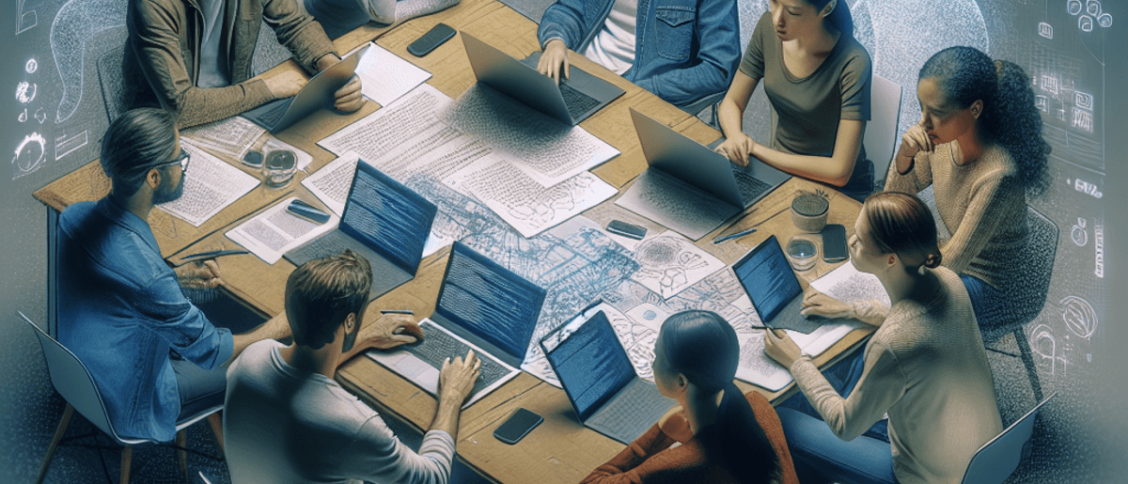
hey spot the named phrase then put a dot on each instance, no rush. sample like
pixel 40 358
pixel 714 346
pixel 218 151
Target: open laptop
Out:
pixel 601 383
pixel 384 221
pixel 689 188
pixel 571 102
pixel 773 288
pixel 481 306
pixel 319 92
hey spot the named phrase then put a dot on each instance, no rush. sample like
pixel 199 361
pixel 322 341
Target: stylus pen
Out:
pixel 397 311
pixel 733 236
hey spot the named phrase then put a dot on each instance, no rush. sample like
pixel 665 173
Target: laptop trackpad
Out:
pixel 790 318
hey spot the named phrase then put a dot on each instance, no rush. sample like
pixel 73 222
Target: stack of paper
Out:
pixel 209 187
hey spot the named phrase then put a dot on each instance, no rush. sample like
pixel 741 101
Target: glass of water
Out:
pixel 278 168
pixel 802 252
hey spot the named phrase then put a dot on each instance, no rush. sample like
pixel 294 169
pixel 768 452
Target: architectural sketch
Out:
pixel 1079 316
pixel 77 22
pixel 669 263
pixel 65 145
pixel 30 154
pixel 25 20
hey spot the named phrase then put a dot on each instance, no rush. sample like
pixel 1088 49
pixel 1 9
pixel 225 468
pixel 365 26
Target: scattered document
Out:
pixel 545 149
pixel 675 204
pixel 581 223
pixel 212 186
pixel 272 233
pixel 636 337
pixel 231 137
pixel 669 263
pixel 331 183
pixel 522 202
pixel 385 77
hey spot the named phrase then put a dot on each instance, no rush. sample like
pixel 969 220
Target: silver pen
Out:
pixel 733 236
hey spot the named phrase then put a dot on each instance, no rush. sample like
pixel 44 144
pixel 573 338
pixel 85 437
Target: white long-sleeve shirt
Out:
pixel 282 426
pixel 614 46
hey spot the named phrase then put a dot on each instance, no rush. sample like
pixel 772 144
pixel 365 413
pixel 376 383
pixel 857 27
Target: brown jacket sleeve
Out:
pixel 298 32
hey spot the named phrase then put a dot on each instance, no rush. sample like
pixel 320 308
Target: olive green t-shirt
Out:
pixel 809 109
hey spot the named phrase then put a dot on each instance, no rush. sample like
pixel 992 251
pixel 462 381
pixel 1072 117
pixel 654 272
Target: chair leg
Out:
pixel 59 433
pixel 216 422
pixel 182 443
pixel 126 460
pixel 1028 361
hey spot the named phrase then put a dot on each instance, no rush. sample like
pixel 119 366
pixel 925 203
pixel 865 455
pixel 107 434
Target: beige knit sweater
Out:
pixel 927 368
pixel 983 205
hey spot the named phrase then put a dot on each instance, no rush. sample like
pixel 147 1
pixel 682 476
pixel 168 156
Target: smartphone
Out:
pixel 834 243
pixel 253 159
pixel 307 212
pixel 517 426
pixel 429 41
pixel 626 230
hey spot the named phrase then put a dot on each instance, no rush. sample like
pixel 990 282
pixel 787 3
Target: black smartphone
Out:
pixel 626 230
pixel 253 159
pixel 834 243
pixel 517 426
pixel 429 41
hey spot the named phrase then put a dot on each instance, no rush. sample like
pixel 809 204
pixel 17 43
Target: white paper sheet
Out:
pixel 522 202
pixel 209 186
pixel 231 137
pixel 670 263
pixel 331 183
pixel 384 76
pixel 275 231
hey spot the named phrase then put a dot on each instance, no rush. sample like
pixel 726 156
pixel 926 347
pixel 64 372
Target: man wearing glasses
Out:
pixel 121 308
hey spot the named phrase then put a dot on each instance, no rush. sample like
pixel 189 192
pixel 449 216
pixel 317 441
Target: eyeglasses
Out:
pixel 183 158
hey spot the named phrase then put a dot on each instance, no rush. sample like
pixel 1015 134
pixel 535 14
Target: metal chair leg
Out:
pixel 59 433
pixel 126 461
pixel 1028 361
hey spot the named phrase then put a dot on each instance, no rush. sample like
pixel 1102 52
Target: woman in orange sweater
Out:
pixel 716 435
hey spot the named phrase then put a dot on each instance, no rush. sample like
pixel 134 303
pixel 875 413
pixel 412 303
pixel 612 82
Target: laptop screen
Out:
pixel 489 301
pixel 768 279
pixel 388 217
pixel 591 365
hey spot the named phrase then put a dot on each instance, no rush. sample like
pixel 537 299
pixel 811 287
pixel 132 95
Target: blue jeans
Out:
pixel 989 306
pixel 199 389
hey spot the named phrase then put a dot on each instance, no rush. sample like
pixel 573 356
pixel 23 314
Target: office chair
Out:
pixel 73 381
pixel 996 460
pixel 880 139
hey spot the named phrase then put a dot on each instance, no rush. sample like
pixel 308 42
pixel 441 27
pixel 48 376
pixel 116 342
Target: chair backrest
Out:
pixel 1037 266
pixel 996 460
pixel 73 381
pixel 881 132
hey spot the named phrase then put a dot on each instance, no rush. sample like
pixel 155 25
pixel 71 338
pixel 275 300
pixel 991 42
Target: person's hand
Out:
pixel 390 331
pixel 737 149
pixel 349 97
pixel 457 377
pixel 675 425
pixel 915 140
pixel 199 275
pixel 285 84
pixel 816 303
pixel 781 348
pixel 555 54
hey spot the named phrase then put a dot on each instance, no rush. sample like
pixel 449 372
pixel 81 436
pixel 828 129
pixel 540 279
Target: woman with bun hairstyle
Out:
pixel 979 145
pixel 925 366
pixel 724 436
pixel 817 78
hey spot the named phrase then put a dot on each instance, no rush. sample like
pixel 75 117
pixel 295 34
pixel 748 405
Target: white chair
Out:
pixel 880 139
pixel 996 460
pixel 73 381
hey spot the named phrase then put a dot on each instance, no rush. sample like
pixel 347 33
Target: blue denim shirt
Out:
pixel 684 49
pixel 121 311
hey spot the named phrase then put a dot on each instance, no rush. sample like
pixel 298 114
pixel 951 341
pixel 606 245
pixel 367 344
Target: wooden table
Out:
pixel 561 449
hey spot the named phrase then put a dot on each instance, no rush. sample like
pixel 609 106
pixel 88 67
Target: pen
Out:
pixel 397 311
pixel 733 236
pixel 210 255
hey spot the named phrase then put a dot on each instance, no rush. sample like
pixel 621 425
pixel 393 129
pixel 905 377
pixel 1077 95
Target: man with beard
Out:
pixel 287 421
pixel 155 357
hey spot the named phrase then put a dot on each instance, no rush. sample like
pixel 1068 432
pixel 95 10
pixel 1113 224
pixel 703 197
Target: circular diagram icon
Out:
pixel 1079 316
pixel 29 154
pixel 31 66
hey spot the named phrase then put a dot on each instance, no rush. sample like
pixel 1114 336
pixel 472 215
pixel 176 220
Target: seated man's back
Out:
pixel 283 425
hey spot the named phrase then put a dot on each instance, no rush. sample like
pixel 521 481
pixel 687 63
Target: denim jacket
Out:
pixel 684 49
pixel 121 311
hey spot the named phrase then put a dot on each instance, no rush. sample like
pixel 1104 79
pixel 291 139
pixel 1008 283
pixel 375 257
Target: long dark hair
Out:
pixel 135 139
pixel 1010 118
pixel 704 348
pixel 902 224
pixel 839 18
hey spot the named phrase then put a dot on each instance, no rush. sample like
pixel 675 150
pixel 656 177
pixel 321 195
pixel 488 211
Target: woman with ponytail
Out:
pixel 979 145
pixel 724 436
pixel 925 366
pixel 817 77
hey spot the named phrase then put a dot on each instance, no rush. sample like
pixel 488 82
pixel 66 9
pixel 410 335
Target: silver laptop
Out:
pixel 689 188
pixel 571 102
pixel 481 306
pixel 385 222
pixel 319 92
pixel 773 288
pixel 600 381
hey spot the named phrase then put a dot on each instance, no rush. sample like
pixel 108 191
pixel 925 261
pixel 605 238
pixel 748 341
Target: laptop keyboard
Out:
pixel 438 346
pixel 578 103
pixel 750 187
pixel 275 114
pixel 633 409
pixel 323 246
